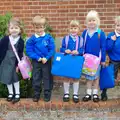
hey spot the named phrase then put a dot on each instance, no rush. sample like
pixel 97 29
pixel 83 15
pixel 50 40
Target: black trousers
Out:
pixel 116 67
pixel 41 72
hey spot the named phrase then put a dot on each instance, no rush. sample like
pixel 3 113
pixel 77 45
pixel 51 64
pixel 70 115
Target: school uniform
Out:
pixel 39 47
pixel 95 45
pixel 113 50
pixel 8 61
pixel 72 44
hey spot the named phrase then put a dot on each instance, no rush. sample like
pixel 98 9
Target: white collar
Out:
pixel 118 35
pixel 14 40
pixel 37 36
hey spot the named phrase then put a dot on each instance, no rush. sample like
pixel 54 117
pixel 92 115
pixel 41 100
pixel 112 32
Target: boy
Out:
pixel 113 50
pixel 40 48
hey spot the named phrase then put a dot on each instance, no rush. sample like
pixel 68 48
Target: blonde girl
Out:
pixel 95 44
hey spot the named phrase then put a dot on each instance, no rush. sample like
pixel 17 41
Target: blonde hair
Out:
pixel 117 19
pixel 74 23
pixel 17 22
pixel 93 15
pixel 39 20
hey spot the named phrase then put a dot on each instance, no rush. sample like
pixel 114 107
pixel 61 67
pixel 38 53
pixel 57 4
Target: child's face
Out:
pixel 74 30
pixel 117 27
pixel 14 30
pixel 39 29
pixel 92 24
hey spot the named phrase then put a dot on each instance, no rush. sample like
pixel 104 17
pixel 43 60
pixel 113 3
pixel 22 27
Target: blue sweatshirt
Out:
pixel 94 44
pixel 72 45
pixel 39 47
pixel 113 47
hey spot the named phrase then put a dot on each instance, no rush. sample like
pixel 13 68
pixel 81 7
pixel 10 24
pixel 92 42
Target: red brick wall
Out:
pixel 60 12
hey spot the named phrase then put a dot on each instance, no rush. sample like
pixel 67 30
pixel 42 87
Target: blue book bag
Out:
pixel 67 65
pixel 107 77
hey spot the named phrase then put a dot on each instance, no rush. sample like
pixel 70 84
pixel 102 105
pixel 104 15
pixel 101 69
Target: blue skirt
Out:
pixel 97 75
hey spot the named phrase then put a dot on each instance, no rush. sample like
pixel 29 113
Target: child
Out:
pixel 95 44
pixel 113 50
pixel 40 48
pixel 74 29
pixel 8 61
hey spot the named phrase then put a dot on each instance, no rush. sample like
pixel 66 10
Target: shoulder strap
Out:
pixel 15 51
pixel 99 31
pixel 67 40
pixel 81 41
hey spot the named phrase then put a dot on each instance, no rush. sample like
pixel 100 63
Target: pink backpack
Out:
pixel 91 62
pixel 24 65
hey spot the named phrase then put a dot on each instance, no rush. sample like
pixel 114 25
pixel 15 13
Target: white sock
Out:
pixel 66 88
pixel 89 91
pixel 17 89
pixel 10 89
pixel 95 91
pixel 75 88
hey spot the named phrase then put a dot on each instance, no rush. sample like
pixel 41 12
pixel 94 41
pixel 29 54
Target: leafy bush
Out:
pixel 4 19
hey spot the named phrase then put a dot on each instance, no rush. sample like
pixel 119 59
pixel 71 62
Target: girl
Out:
pixel 74 29
pixel 8 61
pixel 95 45
pixel 113 50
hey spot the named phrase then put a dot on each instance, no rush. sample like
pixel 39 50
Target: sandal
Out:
pixel 75 98
pixel 86 98
pixel 96 98
pixel 66 97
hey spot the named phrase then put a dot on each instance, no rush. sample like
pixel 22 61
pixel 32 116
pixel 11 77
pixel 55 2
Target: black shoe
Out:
pixel 9 99
pixel 66 99
pixel 96 98
pixel 47 96
pixel 16 99
pixel 35 98
pixel 104 96
pixel 75 98
pixel 86 98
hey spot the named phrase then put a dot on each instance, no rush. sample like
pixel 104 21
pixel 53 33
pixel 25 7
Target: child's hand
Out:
pixel 44 60
pixel 75 52
pixel 17 69
pixel 113 37
pixel 39 59
pixel 68 51
pixel 103 64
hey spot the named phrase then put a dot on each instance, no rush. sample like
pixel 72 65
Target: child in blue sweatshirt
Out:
pixel 70 48
pixel 96 45
pixel 40 48
pixel 113 50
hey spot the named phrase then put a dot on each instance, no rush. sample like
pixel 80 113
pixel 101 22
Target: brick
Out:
pixel 41 104
pixel 116 1
pixel 47 105
pixel 53 105
pixel 100 1
pixel 67 9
